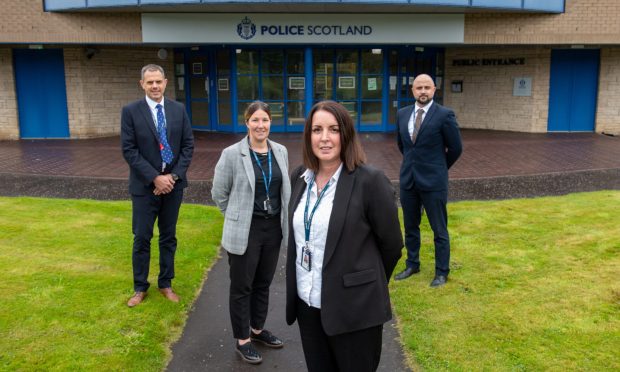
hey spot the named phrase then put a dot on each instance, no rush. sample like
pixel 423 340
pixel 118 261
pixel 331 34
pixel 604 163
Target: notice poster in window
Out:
pixel 181 83
pixel 179 69
pixel 197 68
pixel 222 84
pixel 393 81
pixel 346 82
pixel 297 82
pixel 372 83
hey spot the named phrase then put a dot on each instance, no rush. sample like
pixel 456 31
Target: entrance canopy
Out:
pixel 309 6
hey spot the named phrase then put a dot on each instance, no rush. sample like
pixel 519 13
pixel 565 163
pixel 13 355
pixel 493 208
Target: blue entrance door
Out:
pixel 41 93
pixel 573 90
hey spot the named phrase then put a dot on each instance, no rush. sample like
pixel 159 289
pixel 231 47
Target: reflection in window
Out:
pixel 296 113
pixel 272 87
pixel 372 61
pixel 346 62
pixel 295 62
pixel 271 62
pixel 371 113
pixel 247 62
pixel 247 87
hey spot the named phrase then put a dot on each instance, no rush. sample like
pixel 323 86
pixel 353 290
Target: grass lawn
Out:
pixel 534 286
pixel 65 276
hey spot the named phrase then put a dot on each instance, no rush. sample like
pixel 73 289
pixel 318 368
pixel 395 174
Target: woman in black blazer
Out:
pixel 344 243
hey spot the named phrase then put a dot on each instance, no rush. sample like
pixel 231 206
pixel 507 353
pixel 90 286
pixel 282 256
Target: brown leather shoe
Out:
pixel 136 299
pixel 169 294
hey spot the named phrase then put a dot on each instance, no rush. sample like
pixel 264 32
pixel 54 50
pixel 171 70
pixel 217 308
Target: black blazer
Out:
pixel 363 245
pixel 141 146
pixel 437 147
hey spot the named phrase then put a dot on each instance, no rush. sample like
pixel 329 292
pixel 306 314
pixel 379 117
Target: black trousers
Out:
pixel 356 351
pixel 434 203
pixel 251 274
pixel 145 210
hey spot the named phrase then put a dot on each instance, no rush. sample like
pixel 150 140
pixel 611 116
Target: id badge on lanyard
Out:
pixel 306 253
pixel 306 257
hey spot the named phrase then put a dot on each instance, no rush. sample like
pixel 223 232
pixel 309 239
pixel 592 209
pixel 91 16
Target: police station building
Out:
pixel 68 66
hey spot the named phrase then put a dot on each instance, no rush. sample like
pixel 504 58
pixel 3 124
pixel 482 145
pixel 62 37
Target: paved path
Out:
pixel 207 343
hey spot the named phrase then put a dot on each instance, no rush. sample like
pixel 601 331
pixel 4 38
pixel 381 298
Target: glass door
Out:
pixel 371 90
pixel 353 77
pixel 200 89
pixel 275 76
pixel 404 64
pixel 223 89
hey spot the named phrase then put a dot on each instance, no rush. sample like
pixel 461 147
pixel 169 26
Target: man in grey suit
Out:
pixel 158 144
pixel 429 139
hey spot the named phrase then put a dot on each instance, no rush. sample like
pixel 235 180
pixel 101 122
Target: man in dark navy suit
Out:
pixel 157 143
pixel 429 139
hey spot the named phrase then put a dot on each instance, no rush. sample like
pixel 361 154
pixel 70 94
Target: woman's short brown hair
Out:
pixel 351 152
pixel 255 106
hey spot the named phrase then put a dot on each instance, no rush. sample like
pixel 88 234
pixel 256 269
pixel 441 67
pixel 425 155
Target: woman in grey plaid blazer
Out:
pixel 251 187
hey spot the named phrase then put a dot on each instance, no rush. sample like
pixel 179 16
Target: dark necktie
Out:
pixel 417 125
pixel 164 147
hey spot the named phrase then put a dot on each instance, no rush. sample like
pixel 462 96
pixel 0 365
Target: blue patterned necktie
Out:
pixel 164 147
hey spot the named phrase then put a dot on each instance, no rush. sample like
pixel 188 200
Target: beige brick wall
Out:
pixel 9 124
pixel 24 21
pixel 487 101
pixel 584 22
pixel 99 87
pixel 608 104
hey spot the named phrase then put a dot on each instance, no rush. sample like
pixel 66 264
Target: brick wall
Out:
pixel 9 124
pixel 584 22
pixel 608 110
pixel 487 101
pixel 24 21
pixel 99 87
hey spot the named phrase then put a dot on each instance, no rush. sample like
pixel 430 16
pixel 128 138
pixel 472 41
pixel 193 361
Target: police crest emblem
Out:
pixel 246 29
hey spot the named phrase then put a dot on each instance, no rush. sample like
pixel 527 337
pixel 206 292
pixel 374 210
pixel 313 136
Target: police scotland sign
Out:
pixel 302 28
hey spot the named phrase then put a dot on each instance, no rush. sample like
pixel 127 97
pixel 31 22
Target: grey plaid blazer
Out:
pixel 233 193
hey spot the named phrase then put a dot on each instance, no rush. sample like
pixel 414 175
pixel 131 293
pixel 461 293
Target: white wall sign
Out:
pixel 346 82
pixel 222 84
pixel 297 82
pixel 522 87
pixel 279 28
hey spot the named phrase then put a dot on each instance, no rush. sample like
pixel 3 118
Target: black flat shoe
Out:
pixel 248 353
pixel 439 280
pixel 267 339
pixel 406 273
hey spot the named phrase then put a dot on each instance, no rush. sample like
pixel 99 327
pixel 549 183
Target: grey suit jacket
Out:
pixel 233 193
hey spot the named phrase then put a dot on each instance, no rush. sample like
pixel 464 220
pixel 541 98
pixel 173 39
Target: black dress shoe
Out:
pixel 406 273
pixel 248 353
pixel 439 280
pixel 267 338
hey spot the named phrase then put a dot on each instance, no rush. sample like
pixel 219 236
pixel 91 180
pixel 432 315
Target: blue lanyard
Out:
pixel 308 221
pixel 267 181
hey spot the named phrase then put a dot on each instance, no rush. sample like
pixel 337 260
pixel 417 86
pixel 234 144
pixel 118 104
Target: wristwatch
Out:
pixel 175 178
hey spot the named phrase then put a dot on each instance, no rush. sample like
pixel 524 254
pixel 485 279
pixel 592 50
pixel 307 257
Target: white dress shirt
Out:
pixel 411 123
pixel 152 105
pixel 309 282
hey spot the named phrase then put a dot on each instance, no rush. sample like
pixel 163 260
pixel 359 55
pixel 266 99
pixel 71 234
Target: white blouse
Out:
pixel 309 282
